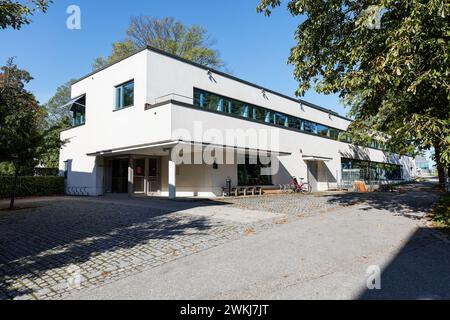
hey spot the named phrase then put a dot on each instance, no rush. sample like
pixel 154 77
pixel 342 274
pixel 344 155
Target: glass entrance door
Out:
pixel 153 176
pixel 139 176
pixel 119 179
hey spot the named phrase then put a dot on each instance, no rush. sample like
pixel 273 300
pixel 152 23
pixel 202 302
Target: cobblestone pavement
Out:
pixel 56 246
pixel 412 200
pixel 293 205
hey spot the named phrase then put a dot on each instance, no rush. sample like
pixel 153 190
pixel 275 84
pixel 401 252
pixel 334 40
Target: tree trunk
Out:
pixel 13 190
pixel 440 167
pixel 441 173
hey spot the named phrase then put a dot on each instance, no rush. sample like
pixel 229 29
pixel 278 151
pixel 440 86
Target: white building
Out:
pixel 130 117
pixel 423 166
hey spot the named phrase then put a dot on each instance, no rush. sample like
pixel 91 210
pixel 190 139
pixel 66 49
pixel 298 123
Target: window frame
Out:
pixel 73 123
pixel 117 97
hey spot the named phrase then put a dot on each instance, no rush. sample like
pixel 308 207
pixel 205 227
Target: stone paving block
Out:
pixel 102 237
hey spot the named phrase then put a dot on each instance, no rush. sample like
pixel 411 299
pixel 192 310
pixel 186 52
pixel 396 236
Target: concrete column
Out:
pixel 172 180
pixel 130 176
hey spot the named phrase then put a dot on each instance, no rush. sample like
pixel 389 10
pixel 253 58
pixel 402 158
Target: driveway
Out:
pixel 322 257
pixel 289 247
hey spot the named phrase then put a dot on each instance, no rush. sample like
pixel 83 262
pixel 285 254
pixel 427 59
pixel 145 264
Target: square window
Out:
pixel 125 95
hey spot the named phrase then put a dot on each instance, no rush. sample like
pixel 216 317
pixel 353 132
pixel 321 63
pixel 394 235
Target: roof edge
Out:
pixel 221 73
pixel 107 66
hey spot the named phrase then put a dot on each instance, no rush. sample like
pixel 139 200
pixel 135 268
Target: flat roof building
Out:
pixel 157 124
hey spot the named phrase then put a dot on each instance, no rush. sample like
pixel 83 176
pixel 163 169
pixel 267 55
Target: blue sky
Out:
pixel 253 46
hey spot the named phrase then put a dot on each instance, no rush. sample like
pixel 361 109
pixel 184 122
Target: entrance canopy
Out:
pixel 135 174
pixel 164 148
pixel 317 158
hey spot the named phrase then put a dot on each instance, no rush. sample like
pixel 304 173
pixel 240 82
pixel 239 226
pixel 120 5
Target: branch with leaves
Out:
pixel 15 14
pixel 25 137
pixel 393 77
pixel 167 34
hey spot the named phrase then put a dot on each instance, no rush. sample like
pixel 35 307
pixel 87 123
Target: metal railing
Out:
pixel 174 96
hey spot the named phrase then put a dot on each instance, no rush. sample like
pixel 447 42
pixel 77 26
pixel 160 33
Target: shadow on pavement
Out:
pixel 421 270
pixel 413 201
pixel 59 233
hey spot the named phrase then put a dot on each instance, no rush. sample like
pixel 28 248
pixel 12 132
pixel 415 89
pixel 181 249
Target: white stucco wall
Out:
pixel 170 76
pixel 296 143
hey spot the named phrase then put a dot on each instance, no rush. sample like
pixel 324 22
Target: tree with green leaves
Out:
pixel 167 34
pixel 15 14
pixel 389 60
pixel 24 135
pixel 57 115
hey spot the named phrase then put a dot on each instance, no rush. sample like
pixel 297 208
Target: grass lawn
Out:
pixel 442 213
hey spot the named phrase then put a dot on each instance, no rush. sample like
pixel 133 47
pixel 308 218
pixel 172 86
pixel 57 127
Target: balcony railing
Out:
pixel 174 96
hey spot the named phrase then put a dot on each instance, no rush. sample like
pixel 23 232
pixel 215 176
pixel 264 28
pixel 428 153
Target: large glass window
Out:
pixel 309 127
pixel 354 170
pixel 239 109
pixel 295 123
pixel 199 98
pixel 259 114
pixel 249 174
pixel 213 102
pixel 280 119
pixel 125 95
pixel 334 133
pixel 323 131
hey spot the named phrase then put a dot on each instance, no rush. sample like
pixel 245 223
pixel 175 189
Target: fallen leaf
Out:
pixel 281 221
pixel 249 232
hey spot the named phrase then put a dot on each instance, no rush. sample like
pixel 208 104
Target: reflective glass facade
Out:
pixel 213 102
pixel 355 170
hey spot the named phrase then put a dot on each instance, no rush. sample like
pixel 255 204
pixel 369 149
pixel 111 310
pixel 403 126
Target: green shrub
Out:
pixel 442 212
pixel 32 186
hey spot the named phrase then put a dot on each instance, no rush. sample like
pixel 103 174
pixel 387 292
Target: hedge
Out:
pixel 32 186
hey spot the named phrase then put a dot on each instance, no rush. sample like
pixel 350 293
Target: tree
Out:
pixel 24 138
pixel 389 60
pixel 120 50
pixel 169 35
pixel 57 115
pixel 14 14
pixel 56 111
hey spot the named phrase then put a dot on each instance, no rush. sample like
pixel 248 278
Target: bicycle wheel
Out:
pixel 292 188
pixel 306 188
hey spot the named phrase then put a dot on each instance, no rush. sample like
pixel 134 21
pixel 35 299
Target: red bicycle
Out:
pixel 303 187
